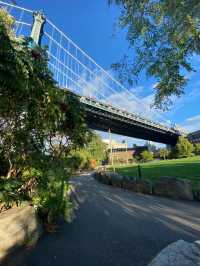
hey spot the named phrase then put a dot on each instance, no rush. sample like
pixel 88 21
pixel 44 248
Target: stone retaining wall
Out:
pixel 170 187
pixel 18 226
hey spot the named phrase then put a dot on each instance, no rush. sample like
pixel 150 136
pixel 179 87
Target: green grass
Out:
pixel 187 168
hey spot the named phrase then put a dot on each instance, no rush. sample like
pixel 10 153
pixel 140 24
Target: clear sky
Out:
pixel 90 24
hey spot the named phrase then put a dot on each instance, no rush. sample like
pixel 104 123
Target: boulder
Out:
pixel 129 183
pixel 144 186
pixel 100 176
pixel 116 179
pixel 173 188
pixel 197 192
pixel 97 175
pixel 108 178
pixel 105 178
pixel 180 253
pixel 197 195
pixel 18 227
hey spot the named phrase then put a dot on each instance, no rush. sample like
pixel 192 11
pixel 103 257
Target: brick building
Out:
pixel 120 153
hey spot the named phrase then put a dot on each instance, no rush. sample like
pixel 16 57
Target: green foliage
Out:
pixel 163 36
pixel 50 196
pixel 94 152
pixel 4 165
pixel 164 153
pixel 9 192
pixel 184 148
pixel 146 156
pixel 96 148
pixel 39 124
pixel 197 149
pixel 79 159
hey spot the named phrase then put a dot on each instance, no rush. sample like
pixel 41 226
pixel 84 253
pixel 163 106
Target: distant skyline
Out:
pixel 90 24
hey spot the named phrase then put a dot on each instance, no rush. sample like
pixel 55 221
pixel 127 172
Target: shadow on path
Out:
pixel 114 227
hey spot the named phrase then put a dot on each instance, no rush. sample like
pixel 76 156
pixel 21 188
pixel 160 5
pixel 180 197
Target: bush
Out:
pixel 10 192
pixel 50 197
pixel 183 148
pixel 197 149
pixel 164 153
pixel 146 156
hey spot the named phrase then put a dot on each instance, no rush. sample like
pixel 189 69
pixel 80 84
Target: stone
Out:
pixel 97 175
pixel 197 195
pixel 105 178
pixel 116 179
pixel 173 188
pixel 101 177
pixel 197 192
pixel 129 183
pixel 180 253
pixel 18 227
pixel 144 186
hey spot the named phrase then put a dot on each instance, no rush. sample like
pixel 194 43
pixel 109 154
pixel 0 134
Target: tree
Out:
pixel 163 35
pixel 183 148
pixel 197 149
pixel 164 153
pixel 91 155
pixel 97 148
pixel 39 123
pixel 146 156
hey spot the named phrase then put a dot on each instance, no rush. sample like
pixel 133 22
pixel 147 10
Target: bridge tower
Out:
pixel 37 28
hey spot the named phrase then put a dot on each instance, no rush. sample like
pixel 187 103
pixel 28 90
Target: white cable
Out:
pixel 18 7
pixel 91 59
pixel 84 66
pixel 80 78
pixel 18 24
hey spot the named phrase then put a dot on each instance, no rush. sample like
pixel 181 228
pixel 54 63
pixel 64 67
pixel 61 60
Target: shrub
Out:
pixel 50 197
pixel 197 149
pixel 164 153
pixel 183 148
pixel 146 156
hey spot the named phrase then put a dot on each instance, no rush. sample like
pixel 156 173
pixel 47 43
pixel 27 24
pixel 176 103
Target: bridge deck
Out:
pixel 103 117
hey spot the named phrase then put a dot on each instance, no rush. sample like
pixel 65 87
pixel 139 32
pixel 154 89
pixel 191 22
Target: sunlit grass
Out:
pixel 187 168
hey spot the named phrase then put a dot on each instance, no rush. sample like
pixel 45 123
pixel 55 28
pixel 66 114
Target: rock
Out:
pixel 144 186
pixel 100 176
pixel 18 226
pixel 97 175
pixel 129 183
pixel 197 195
pixel 173 188
pixel 197 192
pixel 108 178
pixel 116 179
pixel 180 253
pixel 105 178
pixel 141 186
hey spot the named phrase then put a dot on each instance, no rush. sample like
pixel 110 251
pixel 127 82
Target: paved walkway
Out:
pixel 115 227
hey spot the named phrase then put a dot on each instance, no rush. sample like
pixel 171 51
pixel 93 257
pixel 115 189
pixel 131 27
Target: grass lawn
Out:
pixel 188 168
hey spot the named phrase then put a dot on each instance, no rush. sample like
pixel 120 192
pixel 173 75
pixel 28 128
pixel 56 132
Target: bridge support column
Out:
pixel 37 29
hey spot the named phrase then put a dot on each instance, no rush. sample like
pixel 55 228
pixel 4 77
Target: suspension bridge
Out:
pixel 102 96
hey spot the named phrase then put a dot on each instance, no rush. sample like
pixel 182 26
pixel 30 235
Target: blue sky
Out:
pixel 90 24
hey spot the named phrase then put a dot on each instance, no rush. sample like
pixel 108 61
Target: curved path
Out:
pixel 115 227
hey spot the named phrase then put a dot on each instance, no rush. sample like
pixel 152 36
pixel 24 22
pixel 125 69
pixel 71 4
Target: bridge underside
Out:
pixel 104 121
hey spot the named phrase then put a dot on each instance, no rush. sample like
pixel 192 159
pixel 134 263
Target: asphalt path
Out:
pixel 114 227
